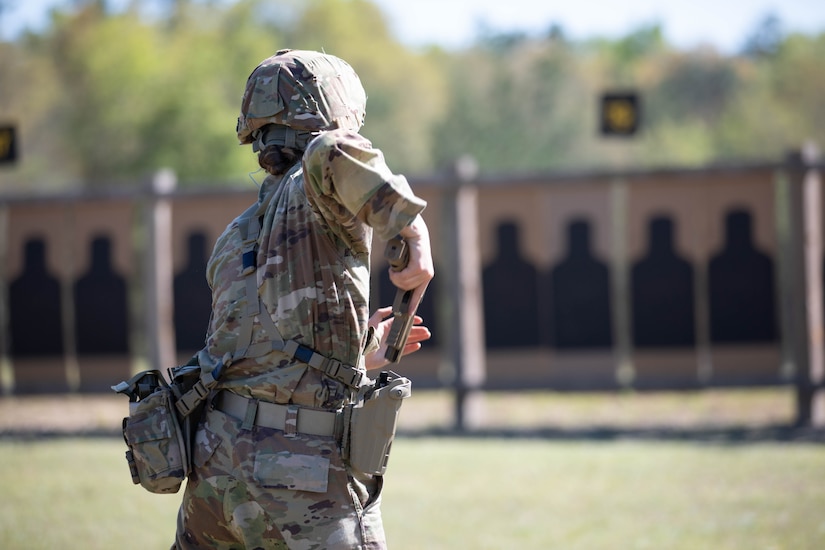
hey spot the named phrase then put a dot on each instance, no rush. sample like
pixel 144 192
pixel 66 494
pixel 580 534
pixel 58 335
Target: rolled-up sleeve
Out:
pixel 348 181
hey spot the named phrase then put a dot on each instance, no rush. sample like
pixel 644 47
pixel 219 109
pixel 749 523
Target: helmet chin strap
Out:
pixel 278 134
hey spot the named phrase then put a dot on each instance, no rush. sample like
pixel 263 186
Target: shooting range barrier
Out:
pixel 656 279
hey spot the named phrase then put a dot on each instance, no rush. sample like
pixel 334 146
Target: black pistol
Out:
pixel 403 312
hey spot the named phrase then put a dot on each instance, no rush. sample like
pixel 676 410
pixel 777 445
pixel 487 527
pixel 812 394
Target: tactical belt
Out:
pixel 291 419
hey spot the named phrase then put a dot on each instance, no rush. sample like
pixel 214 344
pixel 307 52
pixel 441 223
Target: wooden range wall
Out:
pixel 659 279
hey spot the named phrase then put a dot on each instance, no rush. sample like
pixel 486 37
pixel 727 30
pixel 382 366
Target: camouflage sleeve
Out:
pixel 347 179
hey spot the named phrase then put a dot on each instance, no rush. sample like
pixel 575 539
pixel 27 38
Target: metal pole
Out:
pixel 620 282
pixel 464 315
pixel 160 330
pixel 811 384
pixel 802 290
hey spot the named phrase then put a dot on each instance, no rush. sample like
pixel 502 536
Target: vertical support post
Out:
pixel 803 295
pixel 68 305
pixel 701 309
pixel 620 281
pixel 160 329
pixel 811 383
pixel 462 280
pixel 787 276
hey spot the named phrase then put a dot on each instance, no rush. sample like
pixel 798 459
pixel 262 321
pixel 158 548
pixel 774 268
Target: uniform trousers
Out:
pixel 261 488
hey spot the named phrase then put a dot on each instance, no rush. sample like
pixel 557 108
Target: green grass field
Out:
pixel 478 493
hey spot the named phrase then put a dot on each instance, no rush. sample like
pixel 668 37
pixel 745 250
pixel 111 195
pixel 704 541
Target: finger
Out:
pixel 379 315
pixel 419 334
pixel 383 312
pixel 409 278
pixel 410 348
pixel 400 279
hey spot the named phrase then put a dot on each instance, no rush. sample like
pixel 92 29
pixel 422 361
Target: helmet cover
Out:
pixel 305 90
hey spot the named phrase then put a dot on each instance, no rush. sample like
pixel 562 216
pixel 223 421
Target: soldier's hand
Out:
pixel 419 270
pixel 381 321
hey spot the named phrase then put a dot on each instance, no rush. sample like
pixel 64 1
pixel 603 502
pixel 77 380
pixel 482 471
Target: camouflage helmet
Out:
pixel 306 91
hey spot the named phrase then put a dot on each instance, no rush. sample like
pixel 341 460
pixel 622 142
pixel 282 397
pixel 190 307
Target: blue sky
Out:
pixel 687 23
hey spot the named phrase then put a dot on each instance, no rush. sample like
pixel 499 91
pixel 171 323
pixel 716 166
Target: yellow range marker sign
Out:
pixel 619 114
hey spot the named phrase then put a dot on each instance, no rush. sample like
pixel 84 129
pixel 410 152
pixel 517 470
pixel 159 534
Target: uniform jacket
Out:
pixel 313 274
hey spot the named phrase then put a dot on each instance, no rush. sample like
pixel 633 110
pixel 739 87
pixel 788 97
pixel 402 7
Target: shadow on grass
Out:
pixel 716 434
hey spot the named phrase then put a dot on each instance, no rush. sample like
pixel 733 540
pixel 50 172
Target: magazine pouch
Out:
pixel 157 447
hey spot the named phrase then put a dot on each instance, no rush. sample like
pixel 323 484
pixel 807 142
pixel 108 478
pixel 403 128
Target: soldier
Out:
pixel 268 468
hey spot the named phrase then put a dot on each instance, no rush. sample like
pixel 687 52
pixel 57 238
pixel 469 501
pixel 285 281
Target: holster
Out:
pixel 370 423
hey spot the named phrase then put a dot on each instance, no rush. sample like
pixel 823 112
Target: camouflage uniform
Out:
pixel 261 487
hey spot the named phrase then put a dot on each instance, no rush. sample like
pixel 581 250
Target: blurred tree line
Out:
pixel 103 97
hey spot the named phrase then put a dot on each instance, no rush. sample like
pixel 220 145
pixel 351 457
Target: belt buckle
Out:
pixel 291 421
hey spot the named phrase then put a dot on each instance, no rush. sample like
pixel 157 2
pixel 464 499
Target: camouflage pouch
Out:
pixel 157 452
